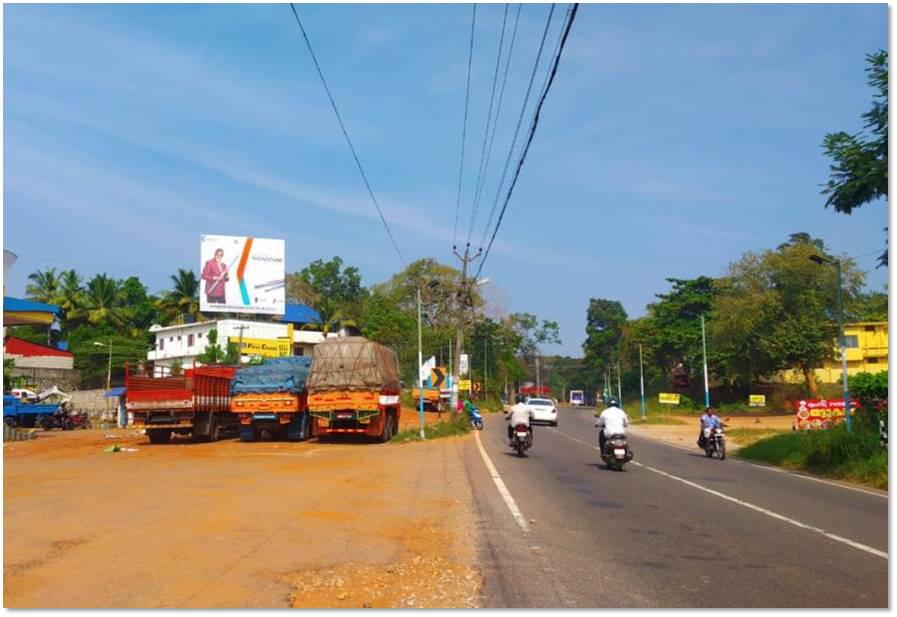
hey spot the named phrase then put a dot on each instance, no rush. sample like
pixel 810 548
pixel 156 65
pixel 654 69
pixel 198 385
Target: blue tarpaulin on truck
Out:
pixel 275 375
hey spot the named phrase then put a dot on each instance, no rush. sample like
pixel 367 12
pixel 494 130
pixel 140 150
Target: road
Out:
pixel 673 530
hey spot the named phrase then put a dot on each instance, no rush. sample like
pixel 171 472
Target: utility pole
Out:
pixel 485 369
pixel 464 294
pixel 843 345
pixel 641 375
pixel 538 376
pixel 706 382
pixel 241 327
pixel 420 363
pixel 619 386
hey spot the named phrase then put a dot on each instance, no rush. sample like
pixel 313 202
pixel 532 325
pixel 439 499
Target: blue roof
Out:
pixel 115 392
pixel 20 305
pixel 300 313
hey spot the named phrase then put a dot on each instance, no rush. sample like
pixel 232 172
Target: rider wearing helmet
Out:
pixel 708 420
pixel 612 421
pixel 518 414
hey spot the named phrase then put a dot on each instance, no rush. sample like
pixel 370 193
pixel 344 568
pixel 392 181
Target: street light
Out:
pixel 818 259
pixel 109 368
pixel 704 348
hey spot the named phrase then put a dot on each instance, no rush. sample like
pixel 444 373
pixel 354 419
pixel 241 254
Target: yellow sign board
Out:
pixel 668 398
pixel 267 348
pixel 464 384
pixel 757 400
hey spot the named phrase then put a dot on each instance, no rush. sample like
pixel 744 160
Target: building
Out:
pixel 182 343
pixel 866 349
pixel 39 364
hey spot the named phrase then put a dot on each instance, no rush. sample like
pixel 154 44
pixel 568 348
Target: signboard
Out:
pixel 757 400
pixel 668 398
pixel 241 274
pixel 464 384
pixel 266 348
pixel 465 364
pixel 819 413
pixel 437 377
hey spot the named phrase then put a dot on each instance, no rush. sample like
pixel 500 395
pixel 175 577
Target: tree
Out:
pixel 384 322
pixel 104 303
pixel 214 354
pixel 44 286
pixel 777 310
pixel 859 169
pixel 182 299
pixel 605 320
pixel 69 297
pixel 872 306
pixel 337 292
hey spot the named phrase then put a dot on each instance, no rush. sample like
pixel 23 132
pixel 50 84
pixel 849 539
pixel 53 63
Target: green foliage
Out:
pixel 872 306
pixel 44 285
pixel 182 300
pixel 859 169
pixel 455 425
pixel 676 326
pixel 8 364
pixel 834 452
pixel 335 292
pixel 92 360
pixel 605 320
pixel 214 354
pixel 655 419
pixel 869 386
pixel 177 366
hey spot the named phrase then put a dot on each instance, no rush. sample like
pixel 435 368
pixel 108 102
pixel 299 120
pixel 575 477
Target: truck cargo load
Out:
pixel 353 387
pixel 271 398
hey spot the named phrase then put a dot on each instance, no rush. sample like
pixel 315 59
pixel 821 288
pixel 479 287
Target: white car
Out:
pixel 544 410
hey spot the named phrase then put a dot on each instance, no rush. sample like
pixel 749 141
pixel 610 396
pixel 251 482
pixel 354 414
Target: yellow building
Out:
pixel 866 349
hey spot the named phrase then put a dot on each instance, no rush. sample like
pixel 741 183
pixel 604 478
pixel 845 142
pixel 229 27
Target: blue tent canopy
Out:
pixel 300 314
pixel 115 392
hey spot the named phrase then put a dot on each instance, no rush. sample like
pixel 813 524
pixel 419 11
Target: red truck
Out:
pixel 195 403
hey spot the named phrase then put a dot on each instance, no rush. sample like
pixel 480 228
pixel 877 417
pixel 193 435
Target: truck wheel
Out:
pixel 159 435
pixel 214 429
pixel 10 422
pixel 387 427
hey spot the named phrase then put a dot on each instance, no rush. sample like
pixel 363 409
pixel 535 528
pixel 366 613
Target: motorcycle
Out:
pixel 616 452
pixel 60 420
pixel 521 439
pixel 715 442
pixel 80 420
pixel 476 418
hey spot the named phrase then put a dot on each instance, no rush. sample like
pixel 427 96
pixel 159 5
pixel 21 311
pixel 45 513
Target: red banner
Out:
pixel 819 413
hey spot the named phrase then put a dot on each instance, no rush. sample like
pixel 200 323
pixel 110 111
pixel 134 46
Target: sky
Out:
pixel 675 138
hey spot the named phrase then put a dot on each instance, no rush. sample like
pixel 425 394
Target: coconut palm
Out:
pixel 44 285
pixel 103 304
pixel 183 298
pixel 70 295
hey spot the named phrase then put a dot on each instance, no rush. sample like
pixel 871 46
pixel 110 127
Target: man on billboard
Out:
pixel 215 274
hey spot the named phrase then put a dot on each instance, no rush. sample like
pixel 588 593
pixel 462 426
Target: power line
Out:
pixel 507 166
pixel 480 172
pixel 346 135
pixel 532 131
pixel 473 23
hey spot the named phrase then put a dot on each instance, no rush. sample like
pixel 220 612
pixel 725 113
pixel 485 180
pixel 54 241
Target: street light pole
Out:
pixel 420 363
pixel 706 381
pixel 843 346
pixel 109 367
pixel 619 386
pixel 641 375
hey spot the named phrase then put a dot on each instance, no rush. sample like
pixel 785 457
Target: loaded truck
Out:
pixel 21 413
pixel 271 398
pixel 353 388
pixel 196 402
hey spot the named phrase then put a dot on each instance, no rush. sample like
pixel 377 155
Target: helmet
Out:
pixel 612 402
pixel 519 399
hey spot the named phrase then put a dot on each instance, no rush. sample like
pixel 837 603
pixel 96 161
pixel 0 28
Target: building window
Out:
pixel 870 328
pixel 189 340
pixel 851 341
pixel 171 339
pixel 179 337
pixel 199 335
pixel 872 360
pixel 161 344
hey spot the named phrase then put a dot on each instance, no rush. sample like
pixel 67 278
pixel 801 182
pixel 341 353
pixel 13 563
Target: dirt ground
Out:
pixel 231 524
pixel 687 434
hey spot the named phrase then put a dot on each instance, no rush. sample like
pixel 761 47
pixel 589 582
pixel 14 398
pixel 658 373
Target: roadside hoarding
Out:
pixel 819 413
pixel 266 348
pixel 757 400
pixel 464 384
pixel 464 365
pixel 669 398
pixel 241 274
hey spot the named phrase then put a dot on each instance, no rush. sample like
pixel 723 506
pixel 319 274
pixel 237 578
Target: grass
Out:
pixel 657 419
pixel 855 456
pixel 454 425
pixel 747 436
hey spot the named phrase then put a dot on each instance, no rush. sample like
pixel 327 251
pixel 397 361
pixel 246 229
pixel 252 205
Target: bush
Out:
pixel 834 452
pixel 455 424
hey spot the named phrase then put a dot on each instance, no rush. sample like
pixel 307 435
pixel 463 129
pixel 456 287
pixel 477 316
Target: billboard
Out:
pixel 241 274
pixel 668 398
pixel 820 413
pixel 757 400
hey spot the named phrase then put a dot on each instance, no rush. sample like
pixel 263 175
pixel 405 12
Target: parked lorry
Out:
pixel 25 414
pixel 196 402
pixel 435 399
pixel 353 388
pixel 271 398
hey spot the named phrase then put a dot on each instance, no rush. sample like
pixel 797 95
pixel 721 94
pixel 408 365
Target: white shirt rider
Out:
pixel 613 420
pixel 520 414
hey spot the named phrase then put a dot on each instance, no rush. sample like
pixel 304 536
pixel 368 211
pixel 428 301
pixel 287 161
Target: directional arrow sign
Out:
pixel 437 376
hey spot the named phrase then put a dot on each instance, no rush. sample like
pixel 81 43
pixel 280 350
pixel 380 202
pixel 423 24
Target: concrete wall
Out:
pixel 94 402
pixel 57 362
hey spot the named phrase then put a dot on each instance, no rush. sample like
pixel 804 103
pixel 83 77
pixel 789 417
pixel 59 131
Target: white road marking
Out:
pixel 751 506
pixel 770 513
pixel 500 485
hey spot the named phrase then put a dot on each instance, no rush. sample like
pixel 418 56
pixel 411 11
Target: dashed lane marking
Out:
pixel 502 488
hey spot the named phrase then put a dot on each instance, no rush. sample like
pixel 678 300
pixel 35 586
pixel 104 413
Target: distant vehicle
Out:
pixel 24 393
pixel 544 410
pixel 19 413
pixel 577 398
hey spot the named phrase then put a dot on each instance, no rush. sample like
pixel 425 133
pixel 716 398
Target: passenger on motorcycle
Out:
pixel 612 421
pixel 708 420
pixel 518 414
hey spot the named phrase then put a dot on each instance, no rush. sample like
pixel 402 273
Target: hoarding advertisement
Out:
pixel 668 398
pixel 820 413
pixel 241 274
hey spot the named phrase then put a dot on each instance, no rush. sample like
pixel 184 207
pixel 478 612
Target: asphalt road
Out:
pixel 674 529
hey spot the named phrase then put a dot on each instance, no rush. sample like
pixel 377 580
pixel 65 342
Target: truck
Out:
pixel 353 388
pixel 195 402
pixel 577 398
pixel 435 399
pixel 271 398
pixel 18 412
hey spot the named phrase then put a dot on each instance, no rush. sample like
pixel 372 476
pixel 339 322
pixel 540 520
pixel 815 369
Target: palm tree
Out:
pixel 70 295
pixel 44 285
pixel 103 303
pixel 183 299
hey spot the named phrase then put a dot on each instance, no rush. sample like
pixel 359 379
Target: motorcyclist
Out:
pixel 612 421
pixel 520 413
pixel 708 420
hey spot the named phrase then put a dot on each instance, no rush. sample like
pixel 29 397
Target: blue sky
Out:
pixel 675 139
